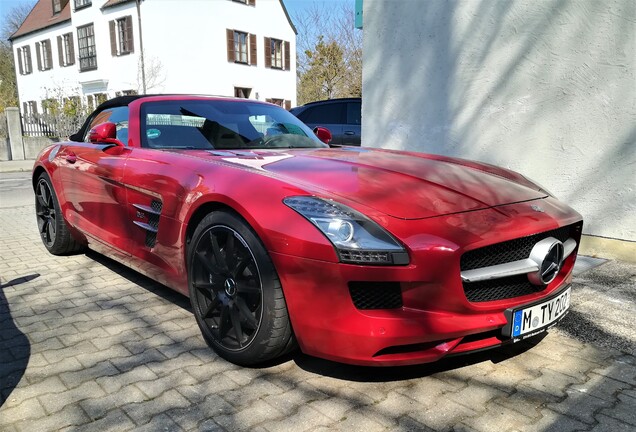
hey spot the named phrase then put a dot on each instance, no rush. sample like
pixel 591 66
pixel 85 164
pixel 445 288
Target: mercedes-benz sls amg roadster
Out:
pixel 353 254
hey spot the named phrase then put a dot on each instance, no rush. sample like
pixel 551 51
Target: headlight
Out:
pixel 357 239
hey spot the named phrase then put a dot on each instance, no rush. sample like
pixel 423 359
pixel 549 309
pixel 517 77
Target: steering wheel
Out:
pixel 272 140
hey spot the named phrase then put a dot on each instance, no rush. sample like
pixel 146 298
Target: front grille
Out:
pixel 505 252
pixel 500 289
pixel 511 250
pixel 376 295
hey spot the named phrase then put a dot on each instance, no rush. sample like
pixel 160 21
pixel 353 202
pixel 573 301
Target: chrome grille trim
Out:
pixel 513 268
pixel 146 209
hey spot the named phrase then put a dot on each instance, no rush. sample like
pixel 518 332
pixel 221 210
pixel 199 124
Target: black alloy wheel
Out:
pixel 228 287
pixel 235 292
pixel 53 229
pixel 45 212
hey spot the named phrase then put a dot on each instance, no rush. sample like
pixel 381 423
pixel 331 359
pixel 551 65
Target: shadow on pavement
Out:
pixel 326 367
pixel 145 282
pixel 401 373
pixel 15 349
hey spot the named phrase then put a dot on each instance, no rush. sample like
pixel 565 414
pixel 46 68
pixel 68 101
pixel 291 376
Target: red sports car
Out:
pixel 363 256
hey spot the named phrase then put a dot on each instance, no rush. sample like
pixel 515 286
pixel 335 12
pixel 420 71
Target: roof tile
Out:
pixel 41 17
pixel 110 3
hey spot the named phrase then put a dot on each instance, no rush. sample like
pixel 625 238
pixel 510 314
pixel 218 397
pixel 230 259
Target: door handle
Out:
pixel 71 158
pixel 350 133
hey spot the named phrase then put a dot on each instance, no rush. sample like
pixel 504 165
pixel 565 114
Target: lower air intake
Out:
pixel 376 295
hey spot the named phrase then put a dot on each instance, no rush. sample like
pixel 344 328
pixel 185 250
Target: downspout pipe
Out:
pixel 141 48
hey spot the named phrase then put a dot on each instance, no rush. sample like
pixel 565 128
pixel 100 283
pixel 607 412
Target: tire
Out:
pixel 53 229
pixel 235 292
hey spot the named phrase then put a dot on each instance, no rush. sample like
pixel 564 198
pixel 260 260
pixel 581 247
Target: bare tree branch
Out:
pixel 14 19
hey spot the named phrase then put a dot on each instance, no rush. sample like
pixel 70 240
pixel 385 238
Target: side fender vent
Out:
pixel 152 214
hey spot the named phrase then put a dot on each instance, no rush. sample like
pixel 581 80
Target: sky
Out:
pixel 294 7
pixel 7 5
pixel 298 6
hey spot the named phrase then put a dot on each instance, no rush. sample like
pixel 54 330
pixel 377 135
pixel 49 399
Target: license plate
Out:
pixel 538 318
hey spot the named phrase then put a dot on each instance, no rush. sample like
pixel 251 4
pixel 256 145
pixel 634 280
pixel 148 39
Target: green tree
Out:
pixel 10 24
pixel 8 88
pixel 329 53
pixel 324 74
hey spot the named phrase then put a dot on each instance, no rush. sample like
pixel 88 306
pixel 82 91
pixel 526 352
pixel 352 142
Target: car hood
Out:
pixel 399 184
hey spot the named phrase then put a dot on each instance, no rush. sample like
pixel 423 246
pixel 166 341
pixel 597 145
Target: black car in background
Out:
pixel 342 117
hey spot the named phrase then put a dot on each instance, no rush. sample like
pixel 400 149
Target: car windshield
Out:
pixel 222 125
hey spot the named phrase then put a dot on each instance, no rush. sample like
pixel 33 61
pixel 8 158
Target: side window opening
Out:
pixel 331 113
pixel 354 113
pixel 117 115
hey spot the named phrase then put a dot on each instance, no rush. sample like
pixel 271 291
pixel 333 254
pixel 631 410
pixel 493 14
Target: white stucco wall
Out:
pixel 187 38
pixel 113 74
pixel 40 85
pixel 544 87
pixel 192 46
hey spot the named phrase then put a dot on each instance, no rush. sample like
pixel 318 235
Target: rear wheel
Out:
pixel 235 292
pixel 53 230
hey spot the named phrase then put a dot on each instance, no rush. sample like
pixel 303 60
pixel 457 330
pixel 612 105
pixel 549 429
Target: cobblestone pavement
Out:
pixel 86 344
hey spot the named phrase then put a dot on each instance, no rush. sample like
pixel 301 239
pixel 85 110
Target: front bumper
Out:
pixel 435 318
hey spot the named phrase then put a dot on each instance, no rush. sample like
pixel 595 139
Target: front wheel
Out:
pixel 235 292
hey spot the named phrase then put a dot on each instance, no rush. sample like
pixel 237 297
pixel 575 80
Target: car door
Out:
pixel 353 124
pixel 92 174
pixel 156 187
pixel 329 115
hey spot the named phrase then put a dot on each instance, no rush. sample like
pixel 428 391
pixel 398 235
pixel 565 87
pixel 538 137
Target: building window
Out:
pixel 238 50
pixel 50 106
pixel 240 47
pixel 44 56
pixel 126 93
pixel 100 98
pixel 29 110
pixel 87 51
pixel 80 4
pixel 24 60
pixel 280 102
pixel 121 36
pixel 90 102
pixel 242 92
pixel 58 6
pixel 277 54
pixel 66 50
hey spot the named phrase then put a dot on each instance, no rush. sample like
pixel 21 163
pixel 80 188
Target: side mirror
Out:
pixel 104 133
pixel 323 134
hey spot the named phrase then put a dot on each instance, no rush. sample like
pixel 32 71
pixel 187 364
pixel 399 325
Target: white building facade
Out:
pixel 91 50
pixel 546 88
